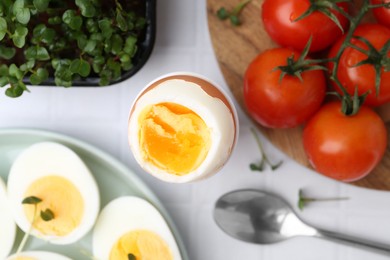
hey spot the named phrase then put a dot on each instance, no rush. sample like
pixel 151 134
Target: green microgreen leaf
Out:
pixel 23 16
pixel 126 66
pixel 86 7
pixel 76 23
pixel 27 66
pixel 68 15
pixel 235 20
pixel 124 57
pixel 3 70
pixel 105 27
pixel 42 54
pixel 14 71
pixel 81 67
pixel 19 37
pixel 85 68
pixel 233 16
pixel 3 28
pixel 32 200
pixel 117 44
pixel 35 80
pixel 140 23
pixel 30 53
pixel 41 5
pixel 115 67
pixel 99 60
pixel 90 46
pixel 222 13
pixel 121 22
pixel 130 45
pixel 43 34
pixel 131 257
pixel 43 74
pixel 18 5
pixel 7 52
pixel 47 215
pixel 3 81
pixel 54 20
pixel 82 41
pixel 15 90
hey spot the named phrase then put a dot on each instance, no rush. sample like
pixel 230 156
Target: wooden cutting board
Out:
pixel 236 47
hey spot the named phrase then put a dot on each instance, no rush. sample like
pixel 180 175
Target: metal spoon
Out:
pixel 258 217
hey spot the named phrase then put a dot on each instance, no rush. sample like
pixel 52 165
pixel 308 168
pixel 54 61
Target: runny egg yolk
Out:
pixel 61 197
pixel 173 138
pixel 143 245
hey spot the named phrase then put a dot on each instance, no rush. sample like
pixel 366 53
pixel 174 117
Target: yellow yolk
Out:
pixel 24 258
pixel 173 138
pixel 143 244
pixel 62 198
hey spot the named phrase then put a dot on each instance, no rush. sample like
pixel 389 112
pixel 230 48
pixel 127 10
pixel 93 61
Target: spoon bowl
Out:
pixel 262 218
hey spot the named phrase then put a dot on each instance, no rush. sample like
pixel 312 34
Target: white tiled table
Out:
pixel 99 116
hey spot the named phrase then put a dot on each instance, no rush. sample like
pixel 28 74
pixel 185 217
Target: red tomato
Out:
pixel 363 76
pixel 343 147
pixel 382 14
pixel 278 18
pixel 282 104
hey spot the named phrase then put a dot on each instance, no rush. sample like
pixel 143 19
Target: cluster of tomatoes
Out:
pixel 282 90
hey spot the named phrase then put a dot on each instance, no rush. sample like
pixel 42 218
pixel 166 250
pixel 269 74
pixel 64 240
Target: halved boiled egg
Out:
pixel 131 228
pixel 182 128
pixel 38 255
pixel 52 190
pixel 7 224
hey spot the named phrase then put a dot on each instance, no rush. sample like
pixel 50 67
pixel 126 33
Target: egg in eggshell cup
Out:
pixel 182 128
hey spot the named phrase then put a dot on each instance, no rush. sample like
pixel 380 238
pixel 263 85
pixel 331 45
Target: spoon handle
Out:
pixel 376 247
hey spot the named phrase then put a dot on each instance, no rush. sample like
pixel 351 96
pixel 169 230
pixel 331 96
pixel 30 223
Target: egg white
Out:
pixel 126 214
pixel 40 255
pixel 7 224
pixel 220 120
pixel 49 158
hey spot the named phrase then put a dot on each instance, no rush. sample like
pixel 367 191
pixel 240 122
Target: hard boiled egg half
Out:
pixel 182 128
pixel 38 255
pixel 51 189
pixel 7 224
pixel 131 228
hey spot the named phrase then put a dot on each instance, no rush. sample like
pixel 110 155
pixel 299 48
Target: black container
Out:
pixel 145 48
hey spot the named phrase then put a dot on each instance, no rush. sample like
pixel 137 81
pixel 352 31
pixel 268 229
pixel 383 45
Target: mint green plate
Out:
pixel 113 179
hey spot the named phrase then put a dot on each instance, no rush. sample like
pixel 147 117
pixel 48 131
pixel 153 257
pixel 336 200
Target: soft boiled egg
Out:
pixel 182 128
pixel 131 228
pixel 52 190
pixel 7 224
pixel 38 255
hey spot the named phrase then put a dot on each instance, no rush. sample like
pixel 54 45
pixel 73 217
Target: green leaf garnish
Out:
pixel 3 28
pixel 32 200
pixel 233 16
pixel 41 5
pixel 131 257
pixel 47 215
pixel 303 200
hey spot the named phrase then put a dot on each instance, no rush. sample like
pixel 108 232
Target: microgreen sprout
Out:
pixel 45 215
pixel 131 257
pixel 233 16
pixel 303 200
pixel 264 158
